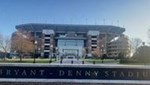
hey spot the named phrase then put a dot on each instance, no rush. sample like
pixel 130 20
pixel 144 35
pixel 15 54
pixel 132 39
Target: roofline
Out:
pixel 66 24
pixel 81 26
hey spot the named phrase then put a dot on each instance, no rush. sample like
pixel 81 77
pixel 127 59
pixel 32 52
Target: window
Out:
pixel 47 35
pixel 94 41
pixel 47 40
pixel 47 47
pixel 46 53
pixel 93 36
pixel 93 47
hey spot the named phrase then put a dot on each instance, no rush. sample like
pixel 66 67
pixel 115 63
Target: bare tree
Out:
pixel 123 46
pixel 142 54
pixel 135 42
pixel 21 44
pixel 97 52
pixel 4 45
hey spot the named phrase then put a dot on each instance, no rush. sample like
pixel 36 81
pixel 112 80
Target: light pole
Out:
pixel 57 53
pixel 78 54
pixel 51 47
pixel 102 46
pixel 39 51
pixel 103 54
pixel 35 47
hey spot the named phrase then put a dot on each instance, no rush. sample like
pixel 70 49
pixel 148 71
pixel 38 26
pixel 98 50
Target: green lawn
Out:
pixel 30 60
pixel 98 61
pixel 38 60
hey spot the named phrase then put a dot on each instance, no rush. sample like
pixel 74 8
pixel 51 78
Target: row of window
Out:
pixel 64 34
pixel 47 35
pixel 94 42
pixel 39 35
pixel 93 36
pixel 93 48
pixel 47 47
pixel 47 41
pixel 70 43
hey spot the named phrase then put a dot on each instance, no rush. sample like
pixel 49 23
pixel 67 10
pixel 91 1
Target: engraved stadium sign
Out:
pixel 75 72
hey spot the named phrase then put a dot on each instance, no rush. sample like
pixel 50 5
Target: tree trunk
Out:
pixel 4 56
pixel 20 55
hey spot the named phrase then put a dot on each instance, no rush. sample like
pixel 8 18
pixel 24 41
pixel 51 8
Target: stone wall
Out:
pixel 22 83
pixel 10 75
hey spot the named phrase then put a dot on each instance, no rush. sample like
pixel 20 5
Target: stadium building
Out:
pixel 68 39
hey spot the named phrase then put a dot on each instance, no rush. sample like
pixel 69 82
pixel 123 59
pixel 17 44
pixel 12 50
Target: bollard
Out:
pixel 102 61
pixel 34 61
pixel 61 61
pixel 72 62
pixel 82 62
pixel 50 61
pixel 93 62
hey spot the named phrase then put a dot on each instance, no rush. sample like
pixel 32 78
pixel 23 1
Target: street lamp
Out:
pixel 51 47
pixel 39 51
pixel 102 46
pixel 35 47
pixel 78 54
pixel 56 53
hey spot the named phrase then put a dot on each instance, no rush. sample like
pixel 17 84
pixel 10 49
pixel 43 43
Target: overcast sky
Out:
pixel 134 15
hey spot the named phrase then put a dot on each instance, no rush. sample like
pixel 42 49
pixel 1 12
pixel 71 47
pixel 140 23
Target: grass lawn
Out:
pixel 30 60
pixel 98 61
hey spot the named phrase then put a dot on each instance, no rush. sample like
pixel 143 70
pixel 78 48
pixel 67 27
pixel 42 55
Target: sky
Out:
pixel 133 15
